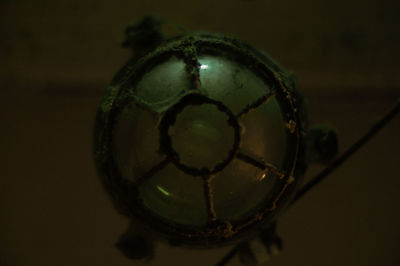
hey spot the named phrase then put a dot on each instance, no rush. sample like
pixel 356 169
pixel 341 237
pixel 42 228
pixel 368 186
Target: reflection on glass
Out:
pixel 201 136
pixel 239 189
pixel 175 197
pixel 265 134
pixel 227 81
pixel 163 84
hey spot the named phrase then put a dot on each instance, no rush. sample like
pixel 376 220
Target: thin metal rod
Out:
pixel 324 173
pixel 349 152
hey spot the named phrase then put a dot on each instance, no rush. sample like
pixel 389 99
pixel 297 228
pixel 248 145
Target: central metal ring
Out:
pixel 170 119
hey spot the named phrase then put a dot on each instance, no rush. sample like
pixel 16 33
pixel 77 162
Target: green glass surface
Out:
pixel 239 189
pixel 265 133
pixel 231 83
pixel 175 197
pixel 201 136
pixel 136 142
pixel 163 84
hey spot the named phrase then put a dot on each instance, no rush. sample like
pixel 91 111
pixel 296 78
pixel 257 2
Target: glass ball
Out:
pixel 202 139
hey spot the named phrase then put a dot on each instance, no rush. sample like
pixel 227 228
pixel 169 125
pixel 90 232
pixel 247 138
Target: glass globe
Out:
pixel 201 139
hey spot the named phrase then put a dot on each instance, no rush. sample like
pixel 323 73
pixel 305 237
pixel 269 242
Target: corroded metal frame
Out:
pixel 120 94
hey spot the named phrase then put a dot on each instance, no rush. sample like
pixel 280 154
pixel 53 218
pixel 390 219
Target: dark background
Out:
pixel 57 57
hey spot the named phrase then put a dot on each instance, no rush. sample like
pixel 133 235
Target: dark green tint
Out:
pixel 175 197
pixel 202 137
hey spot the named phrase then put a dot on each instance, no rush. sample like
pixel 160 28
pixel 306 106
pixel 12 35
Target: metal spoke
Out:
pixel 192 65
pixel 209 199
pixel 257 103
pixel 260 164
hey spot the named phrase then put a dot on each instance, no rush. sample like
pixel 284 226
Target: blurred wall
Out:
pixel 335 45
pixel 57 57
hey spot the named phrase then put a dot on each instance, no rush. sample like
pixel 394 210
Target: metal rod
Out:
pixel 334 165
pixel 348 153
